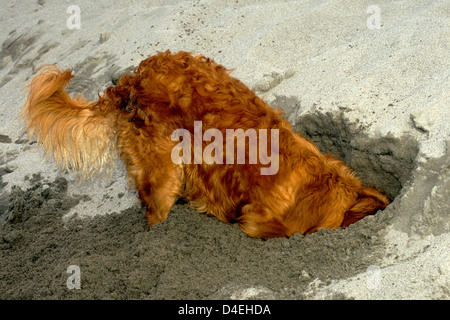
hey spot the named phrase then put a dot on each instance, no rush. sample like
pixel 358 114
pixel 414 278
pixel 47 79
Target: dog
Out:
pixel 136 119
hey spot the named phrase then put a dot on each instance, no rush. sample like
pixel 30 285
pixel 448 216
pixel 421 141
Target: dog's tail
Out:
pixel 78 133
pixel 369 202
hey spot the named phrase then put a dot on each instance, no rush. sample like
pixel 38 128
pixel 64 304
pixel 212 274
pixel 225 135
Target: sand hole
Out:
pixel 385 162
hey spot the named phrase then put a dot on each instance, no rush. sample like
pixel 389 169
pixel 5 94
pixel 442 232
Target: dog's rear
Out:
pixel 78 133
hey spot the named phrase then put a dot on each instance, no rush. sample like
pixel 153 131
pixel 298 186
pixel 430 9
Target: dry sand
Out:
pixel 377 98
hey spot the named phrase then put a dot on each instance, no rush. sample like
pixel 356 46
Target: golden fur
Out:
pixel 169 91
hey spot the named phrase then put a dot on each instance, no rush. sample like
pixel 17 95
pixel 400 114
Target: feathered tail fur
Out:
pixel 78 133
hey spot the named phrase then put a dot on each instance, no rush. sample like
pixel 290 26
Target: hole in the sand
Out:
pixel 385 162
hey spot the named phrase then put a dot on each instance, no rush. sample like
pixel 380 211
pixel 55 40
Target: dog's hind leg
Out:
pixel 158 190
pixel 156 177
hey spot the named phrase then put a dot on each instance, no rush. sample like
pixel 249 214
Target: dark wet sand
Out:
pixel 189 256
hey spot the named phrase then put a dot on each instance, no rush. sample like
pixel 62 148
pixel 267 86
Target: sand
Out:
pixel 371 89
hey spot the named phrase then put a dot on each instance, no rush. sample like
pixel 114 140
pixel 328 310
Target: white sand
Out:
pixel 393 80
